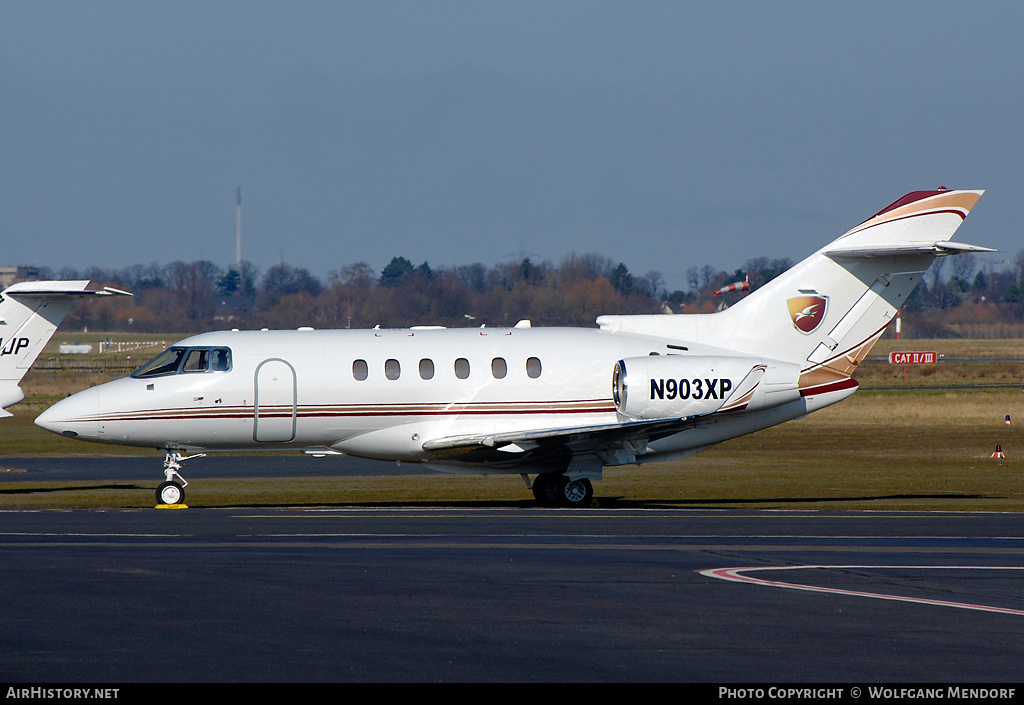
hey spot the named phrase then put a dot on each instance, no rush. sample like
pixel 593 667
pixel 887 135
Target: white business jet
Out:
pixel 558 404
pixel 29 314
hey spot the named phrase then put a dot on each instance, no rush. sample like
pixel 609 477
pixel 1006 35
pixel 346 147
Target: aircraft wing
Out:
pixel 629 438
pixel 613 443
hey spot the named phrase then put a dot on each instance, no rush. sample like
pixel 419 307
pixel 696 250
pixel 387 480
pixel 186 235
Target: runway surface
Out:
pixel 510 595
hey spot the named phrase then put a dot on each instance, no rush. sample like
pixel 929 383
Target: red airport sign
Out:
pixel 913 358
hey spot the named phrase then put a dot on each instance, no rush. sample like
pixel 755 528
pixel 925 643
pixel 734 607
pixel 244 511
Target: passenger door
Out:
pixel 276 402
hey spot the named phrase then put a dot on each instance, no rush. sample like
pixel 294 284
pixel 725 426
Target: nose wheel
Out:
pixel 170 493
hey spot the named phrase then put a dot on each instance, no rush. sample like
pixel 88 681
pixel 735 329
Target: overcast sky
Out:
pixel 660 134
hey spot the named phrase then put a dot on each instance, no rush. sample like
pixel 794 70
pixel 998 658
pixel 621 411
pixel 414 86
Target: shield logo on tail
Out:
pixel 807 312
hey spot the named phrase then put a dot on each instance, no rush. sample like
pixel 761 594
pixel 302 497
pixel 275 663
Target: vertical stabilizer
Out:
pixel 29 314
pixel 826 312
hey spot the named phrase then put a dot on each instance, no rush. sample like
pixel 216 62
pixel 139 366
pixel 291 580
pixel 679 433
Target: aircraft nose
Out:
pixel 74 416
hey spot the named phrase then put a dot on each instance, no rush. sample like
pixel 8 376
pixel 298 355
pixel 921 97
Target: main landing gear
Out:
pixel 557 490
pixel 169 491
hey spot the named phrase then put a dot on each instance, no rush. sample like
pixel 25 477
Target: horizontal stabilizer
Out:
pixel 48 290
pixel 939 249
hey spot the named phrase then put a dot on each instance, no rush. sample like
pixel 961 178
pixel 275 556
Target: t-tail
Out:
pixel 826 312
pixel 29 314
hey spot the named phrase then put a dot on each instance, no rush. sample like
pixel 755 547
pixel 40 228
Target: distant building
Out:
pixel 13 275
pixel 235 307
pixel 8 276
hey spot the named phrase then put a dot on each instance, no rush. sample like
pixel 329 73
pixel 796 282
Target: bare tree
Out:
pixel 359 276
pixel 963 267
pixel 194 286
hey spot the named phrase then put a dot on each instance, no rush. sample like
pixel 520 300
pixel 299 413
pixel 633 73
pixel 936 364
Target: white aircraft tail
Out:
pixel 29 314
pixel 826 312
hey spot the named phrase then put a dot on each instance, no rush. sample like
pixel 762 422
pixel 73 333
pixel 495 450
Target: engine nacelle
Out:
pixel 672 386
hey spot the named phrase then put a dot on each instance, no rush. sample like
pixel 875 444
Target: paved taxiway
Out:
pixel 509 595
pixel 150 467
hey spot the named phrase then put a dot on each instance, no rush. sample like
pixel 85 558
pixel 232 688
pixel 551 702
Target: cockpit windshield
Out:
pixel 197 360
pixel 186 360
pixel 165 364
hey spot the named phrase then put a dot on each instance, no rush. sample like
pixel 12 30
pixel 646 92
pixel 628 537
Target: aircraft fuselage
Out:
pixel 377 393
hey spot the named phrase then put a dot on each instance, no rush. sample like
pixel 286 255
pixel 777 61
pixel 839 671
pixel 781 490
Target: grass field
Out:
pixel 923 443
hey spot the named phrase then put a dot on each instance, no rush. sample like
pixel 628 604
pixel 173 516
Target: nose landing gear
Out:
pixel 170 491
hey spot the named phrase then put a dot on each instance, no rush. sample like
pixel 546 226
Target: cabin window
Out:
pixel 426 368
pixel 392 370
pixel 498 368
pixel 197 360
pixel 359 370
pixel 164 364
pixel 533 367
pixel 462 368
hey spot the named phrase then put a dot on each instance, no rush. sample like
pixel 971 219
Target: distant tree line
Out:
pixel 188 297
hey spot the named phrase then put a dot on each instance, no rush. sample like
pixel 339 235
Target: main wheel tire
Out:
pixel 576 493
pixel 546 489
pixel 170 493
